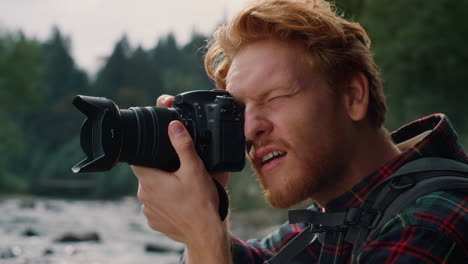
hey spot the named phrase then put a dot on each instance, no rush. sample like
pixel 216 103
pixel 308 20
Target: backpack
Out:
pixel 413 180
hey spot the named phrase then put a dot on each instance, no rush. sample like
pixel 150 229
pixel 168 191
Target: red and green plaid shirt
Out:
pixel 433 230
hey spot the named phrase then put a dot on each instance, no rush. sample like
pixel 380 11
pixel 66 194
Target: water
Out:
pixel 120 225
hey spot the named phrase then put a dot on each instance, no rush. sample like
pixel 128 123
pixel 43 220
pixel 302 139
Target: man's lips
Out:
pixel 272 163
pixel 267 156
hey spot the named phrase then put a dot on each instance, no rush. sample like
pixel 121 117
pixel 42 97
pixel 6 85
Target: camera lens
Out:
pixel 137 135
pixel 145 141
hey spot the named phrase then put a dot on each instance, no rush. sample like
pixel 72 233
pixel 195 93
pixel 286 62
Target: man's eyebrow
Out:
pixel 255 95
pixel 282 88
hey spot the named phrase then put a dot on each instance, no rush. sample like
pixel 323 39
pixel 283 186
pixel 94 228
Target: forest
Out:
pixel 420 47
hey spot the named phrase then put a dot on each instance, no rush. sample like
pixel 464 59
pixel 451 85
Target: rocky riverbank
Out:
pixel 56 231
pixel 53 231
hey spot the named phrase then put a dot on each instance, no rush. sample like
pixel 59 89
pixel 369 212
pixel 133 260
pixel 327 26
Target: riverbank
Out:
pixel 66 231
pixel 49 231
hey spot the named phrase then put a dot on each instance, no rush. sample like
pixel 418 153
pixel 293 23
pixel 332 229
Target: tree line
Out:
pixel 419 46
pixel 38 81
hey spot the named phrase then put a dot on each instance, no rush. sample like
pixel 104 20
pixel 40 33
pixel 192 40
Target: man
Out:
pixel 314 110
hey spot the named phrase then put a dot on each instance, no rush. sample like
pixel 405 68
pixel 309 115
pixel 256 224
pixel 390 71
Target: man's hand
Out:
pixel 184 204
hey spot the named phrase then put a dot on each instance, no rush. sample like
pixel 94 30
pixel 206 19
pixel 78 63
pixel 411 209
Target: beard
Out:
pixel 299 186
pixel 307 178
pixel 289 195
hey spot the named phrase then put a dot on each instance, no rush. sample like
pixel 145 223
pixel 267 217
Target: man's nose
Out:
pixel 256 124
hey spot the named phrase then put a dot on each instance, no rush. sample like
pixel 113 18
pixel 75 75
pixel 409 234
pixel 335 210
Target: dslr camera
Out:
pixel 139 136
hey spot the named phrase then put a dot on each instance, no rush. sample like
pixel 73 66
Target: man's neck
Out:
pixel 373 148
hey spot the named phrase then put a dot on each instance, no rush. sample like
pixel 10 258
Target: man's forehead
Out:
pixel 251 87
pixel 270 63
pixel 254 62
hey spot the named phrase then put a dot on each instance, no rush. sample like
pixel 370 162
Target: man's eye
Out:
pixel 277 98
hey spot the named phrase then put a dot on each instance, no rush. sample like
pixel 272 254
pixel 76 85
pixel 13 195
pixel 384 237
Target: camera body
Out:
pixel 138 135
pixel 215 122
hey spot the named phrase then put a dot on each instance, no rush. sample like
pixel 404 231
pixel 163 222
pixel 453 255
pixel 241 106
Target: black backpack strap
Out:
pixel 319 222
pixel 405 186
pixel 295 246
pixel 431 164
pixel 411 181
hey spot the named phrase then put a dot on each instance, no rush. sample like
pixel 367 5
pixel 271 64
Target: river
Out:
pixel 30 230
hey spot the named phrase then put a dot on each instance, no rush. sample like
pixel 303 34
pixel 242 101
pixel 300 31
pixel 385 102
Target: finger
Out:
pixel 141 173
pixel 139 194
pixel 221 177
pixel 150 177
pixel 164 100
pixel 142 195
pixel 183 145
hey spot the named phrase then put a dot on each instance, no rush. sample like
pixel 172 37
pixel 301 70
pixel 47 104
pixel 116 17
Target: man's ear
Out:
pixel 356 95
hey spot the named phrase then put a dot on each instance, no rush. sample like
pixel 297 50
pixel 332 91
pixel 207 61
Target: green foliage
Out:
pixel 112 76
pixel 245 192
pixel 182 68
pixel 63 80
pixel 116 183
pixel 350 8
pixel 167 54
pixel 11 146
pixel 20 82
pixel 37 84
pixel 420 46
pixel 129 77
pixel 19 57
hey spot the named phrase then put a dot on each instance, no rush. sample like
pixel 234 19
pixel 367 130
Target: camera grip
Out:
pixel 223 200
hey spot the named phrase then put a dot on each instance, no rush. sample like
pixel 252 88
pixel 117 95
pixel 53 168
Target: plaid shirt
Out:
pixel 433 230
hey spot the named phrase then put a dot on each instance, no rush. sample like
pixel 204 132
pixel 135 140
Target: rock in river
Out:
pixel 158 248
pixel 30 232
pixel 74 237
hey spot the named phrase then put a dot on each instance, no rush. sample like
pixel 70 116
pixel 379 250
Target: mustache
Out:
pixel 250 151
pixel 248 146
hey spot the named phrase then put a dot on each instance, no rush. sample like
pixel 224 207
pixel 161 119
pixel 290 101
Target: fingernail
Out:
pixel 176 128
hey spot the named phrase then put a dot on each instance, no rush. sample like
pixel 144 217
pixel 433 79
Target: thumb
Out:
pixel 183 145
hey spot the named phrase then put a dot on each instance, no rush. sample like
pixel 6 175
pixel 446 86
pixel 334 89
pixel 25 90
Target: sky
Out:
pixel 94 26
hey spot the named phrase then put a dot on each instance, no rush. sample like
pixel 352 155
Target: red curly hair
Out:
pixel 336 46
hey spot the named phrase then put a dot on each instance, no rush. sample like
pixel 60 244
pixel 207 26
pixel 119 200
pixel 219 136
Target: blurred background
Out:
pixel 132 52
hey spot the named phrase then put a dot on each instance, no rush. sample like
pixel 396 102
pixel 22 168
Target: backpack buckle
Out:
pixel 364 217
pixel 353 216
pixel 377 218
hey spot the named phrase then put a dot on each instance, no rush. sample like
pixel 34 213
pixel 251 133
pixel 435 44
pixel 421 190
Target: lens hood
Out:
pixel 101 135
